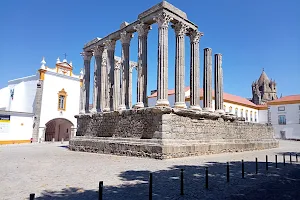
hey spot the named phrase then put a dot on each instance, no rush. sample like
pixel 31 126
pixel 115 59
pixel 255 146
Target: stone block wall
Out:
pixel 167 133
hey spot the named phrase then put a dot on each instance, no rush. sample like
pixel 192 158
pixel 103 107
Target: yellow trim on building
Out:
pixel 42 74
pixel 3 142
pixel 62 93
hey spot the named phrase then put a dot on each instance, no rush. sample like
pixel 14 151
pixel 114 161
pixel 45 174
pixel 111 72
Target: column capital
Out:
pixel 104 57
pixel 163 20
pixel 98 51
pixel 118 65
pixel 131 67
pixel 125 37
pixel 110 45
pixel 142 29
pixel 180 28
pixel 195 36
pixel 87 55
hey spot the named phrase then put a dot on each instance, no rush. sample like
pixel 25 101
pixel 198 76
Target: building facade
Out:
pixel 264 107
pixel 41 107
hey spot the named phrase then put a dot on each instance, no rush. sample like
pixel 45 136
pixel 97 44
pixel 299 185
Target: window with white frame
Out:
pixel 281 108
pixel 242 113
pixel 251 119
pixel 281 119
pixel 236 111
pixel 246 115
pixel 255 117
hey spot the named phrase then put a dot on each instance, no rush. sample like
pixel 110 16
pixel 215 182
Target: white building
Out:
pixel 285 116
pixel 40 107
pixel 233 104
pixel 282 113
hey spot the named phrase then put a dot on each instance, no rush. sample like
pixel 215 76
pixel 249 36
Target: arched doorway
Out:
pixel 58 129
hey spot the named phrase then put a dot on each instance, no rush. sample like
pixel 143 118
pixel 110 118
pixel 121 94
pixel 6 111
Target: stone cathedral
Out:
pixel 163 130
pixel 263 89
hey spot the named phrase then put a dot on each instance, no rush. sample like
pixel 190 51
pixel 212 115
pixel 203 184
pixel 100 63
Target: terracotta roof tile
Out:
pixel 227 97
pixel 286 99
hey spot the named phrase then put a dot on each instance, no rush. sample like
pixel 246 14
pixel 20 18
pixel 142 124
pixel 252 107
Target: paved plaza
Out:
pixel 51 171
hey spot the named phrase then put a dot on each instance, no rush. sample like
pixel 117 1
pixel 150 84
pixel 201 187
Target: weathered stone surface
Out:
pixel 162 132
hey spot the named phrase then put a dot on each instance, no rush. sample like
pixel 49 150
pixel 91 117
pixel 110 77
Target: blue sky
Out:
pixel 251 35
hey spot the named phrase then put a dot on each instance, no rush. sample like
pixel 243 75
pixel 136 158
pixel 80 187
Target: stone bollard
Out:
pixel 62 140
pixel 53 139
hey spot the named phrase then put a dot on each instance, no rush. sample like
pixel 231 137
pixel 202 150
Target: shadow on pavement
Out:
pixel 275 183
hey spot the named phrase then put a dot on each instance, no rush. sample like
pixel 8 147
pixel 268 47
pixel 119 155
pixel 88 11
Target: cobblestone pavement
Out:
pixel 51 171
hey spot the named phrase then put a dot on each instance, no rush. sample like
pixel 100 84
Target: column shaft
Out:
pixel 125 40
pixel 142 30
pixel 131 67
pixel 207 80
pixel 104 83
pixel 218 84
pixel 86 80
pixel 180 30
pixel 97 95
pixel 162 73
pixel 110 45
pixel 195 71
pixel 116 88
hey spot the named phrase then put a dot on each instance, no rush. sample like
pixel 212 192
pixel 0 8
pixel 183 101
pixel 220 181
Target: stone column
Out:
pixel 104 83
pixel 110 45
pixel 131 67
pixel 180 31
pixel 207 80
pixel 86 80
pixel 218 84
pixel 194 70
pixel 162 20
pixel 125 40
pixel 97 92
pixel 116 89
pixel 142 30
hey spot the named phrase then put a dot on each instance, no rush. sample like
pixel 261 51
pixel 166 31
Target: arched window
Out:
pixel 255 118
pixel 62 99
pixel 230 109
pixel 242 113
pixel 251 116
pixel 224 106
pixel 246 115
pixel 236 111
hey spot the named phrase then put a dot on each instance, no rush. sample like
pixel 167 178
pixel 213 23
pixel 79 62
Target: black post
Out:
pixel 296 157
pixel 100 190
pixel 276 160
pixel 243 169
pixel 150 186
pixel 290 158
pixel 31 196
pixel 267 162
pixel 206 177
pixel 181 182
pixel 228 173
pixel 256 166
pixel 283 159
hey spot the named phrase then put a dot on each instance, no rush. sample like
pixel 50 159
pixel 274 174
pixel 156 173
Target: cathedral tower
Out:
pixel 263 89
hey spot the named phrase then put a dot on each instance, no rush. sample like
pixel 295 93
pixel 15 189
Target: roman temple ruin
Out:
pixel 163 131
